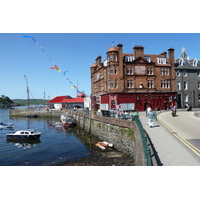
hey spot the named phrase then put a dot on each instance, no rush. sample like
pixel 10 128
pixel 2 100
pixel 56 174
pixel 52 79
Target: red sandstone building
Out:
pixel 133 81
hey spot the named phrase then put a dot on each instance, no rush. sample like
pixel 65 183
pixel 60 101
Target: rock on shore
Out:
pixel 103 158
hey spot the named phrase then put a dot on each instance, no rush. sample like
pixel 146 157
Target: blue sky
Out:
pixel 73 37
pixel 75 53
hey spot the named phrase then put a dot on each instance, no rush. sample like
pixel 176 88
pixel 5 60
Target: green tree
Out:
pixel 5 101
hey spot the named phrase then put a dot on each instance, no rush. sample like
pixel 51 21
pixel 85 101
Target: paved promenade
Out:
pixel 170 150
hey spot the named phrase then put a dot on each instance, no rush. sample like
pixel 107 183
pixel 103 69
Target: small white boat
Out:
pixel 2 125
pixel 24 134
pixel 67 120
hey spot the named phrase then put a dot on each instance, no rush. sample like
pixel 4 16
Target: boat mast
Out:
pixel 28 101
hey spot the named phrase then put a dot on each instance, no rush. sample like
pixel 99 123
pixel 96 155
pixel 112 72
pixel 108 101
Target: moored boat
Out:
pixel 67 120
pixel 24 134
pixel 31 116
pixel 3 125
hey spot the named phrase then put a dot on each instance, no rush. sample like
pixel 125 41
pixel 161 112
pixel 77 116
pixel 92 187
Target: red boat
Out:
pixel 67 120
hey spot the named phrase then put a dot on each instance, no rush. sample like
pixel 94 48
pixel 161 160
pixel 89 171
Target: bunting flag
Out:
pixel 38 45
pixel 55 66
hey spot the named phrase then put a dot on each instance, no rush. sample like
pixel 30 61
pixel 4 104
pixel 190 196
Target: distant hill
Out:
pixel 23 102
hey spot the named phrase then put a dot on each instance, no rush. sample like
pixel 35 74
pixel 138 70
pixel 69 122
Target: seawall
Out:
pixel 123 134
pixel 39 112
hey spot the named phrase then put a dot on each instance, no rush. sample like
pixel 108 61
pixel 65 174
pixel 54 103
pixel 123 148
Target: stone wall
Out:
pixel 123 134
pixel 40 113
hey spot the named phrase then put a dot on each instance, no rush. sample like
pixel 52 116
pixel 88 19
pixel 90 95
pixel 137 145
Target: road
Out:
pixel 185 126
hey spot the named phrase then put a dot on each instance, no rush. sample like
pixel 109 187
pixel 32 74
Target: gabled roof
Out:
pixel 59 99
pixel 66 99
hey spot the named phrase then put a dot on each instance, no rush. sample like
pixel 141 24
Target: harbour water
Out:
pixel 55 146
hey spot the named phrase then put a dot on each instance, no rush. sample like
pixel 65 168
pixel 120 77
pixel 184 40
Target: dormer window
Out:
pixel 161 60
pixel 194 63
pixel 129 58
pixel 148 59
pixel 105 63
pixel 181 61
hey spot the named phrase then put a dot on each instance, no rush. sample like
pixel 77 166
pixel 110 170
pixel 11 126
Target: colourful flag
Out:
pixel 55 67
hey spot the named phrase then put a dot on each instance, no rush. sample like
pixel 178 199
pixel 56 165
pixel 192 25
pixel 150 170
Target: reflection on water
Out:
pixel 57 144
pixel 25 144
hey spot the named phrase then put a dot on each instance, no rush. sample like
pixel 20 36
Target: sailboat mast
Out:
pixel 28 101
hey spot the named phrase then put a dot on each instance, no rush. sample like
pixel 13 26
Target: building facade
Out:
pixel 133 81
pixel 187 80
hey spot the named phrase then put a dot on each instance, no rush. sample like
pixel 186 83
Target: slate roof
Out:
pixel 187 63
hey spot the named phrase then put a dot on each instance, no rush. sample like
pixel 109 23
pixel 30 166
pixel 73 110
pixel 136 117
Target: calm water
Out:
pixel 55 146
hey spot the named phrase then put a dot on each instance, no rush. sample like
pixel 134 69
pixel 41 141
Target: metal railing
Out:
pixel 144 140
pixel 133 116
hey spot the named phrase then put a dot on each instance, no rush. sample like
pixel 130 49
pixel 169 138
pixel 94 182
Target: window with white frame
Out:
pixel 198 73
pixel 181 61
pixel 129 84
pixel 108 70
pixel 115 70
pixel 178 73
pixel 184 72
pixel 198 85
pixel 149 71
pixel 179 85
pixel 186 97
pixel 161 60
pixel 111 70
pixel 129 70
pixel 116 83
pixel 164 71
pixel 199 97
pixel 115 58
pixel 185 87
pixel 194 63
pixel 105 63
pixel 148 59
pixel 129 58
pixel 111 84
pixel 165 84
pixel 150 84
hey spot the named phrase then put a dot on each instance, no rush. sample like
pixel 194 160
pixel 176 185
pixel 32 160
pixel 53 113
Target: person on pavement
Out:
pixel 150 116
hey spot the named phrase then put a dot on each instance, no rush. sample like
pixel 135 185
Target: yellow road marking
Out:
pixel 188 144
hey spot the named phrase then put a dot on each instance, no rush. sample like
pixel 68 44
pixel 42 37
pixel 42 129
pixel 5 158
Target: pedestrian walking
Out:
pixel 150 116
pixel 148 110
